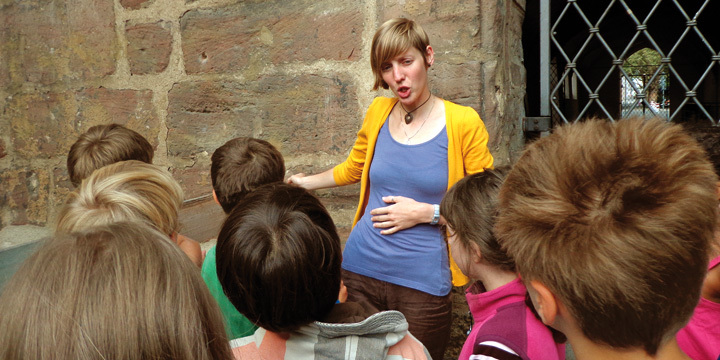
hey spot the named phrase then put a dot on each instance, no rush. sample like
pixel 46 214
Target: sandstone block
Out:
pixel 452 25
pixel 149 47
pixel 40 124
pixel 229 39
pixel 62 188
pixel 204 115
pixel 49 41
pixel 195 181
pixel 309 113
pixel 303 114
pixel 24 196
pixel 46 125
pixel 136 4
pixel 459 83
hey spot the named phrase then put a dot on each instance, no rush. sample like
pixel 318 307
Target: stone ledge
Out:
pixel 13 236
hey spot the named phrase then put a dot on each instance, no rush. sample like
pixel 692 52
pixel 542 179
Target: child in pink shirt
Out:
pixel 504 325
pixel 700 338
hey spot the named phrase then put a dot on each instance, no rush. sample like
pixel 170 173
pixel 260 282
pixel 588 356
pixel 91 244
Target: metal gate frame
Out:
pixel 548 94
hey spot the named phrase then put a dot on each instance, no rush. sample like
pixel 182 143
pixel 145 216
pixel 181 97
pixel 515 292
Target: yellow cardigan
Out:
pixel 467 153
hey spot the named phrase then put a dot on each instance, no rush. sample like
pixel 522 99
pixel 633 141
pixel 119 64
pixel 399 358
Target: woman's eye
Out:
pixel 385 67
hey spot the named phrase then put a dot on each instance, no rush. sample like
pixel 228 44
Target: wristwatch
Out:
pixel 436 214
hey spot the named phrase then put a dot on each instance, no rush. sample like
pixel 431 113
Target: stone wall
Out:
pixel 190 75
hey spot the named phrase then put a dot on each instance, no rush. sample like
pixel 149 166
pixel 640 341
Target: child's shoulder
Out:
pixel 516 326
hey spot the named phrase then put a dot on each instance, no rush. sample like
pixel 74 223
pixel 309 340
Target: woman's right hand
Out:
pixel 297 179
pixel 313 182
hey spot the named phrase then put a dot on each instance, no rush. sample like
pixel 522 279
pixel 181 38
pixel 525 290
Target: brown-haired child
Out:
pixel 700 338
pixel 503 321
pixel 279 259
pixel 238 167
pixel 610 225
pixel 241 165
pixel 104 145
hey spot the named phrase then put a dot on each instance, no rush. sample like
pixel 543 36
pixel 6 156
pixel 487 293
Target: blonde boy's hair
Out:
pixel 122 291
pixel 616 220
pixel 391 39
pixel 124 191
pixel 103 145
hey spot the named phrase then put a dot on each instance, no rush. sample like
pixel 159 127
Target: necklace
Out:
pixel 408 114
pixel 407 141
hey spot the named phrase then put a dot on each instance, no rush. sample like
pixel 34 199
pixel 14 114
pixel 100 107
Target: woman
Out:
pixel 409 151
pixel 121 291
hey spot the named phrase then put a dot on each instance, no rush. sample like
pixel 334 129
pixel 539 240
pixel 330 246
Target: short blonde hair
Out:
pixel 122 291
pixel 124 191
pixel 616 220
pixel 103 145
pixel 391 39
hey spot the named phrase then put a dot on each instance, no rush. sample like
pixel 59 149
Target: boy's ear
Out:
pixel 215 198
pixel 545 302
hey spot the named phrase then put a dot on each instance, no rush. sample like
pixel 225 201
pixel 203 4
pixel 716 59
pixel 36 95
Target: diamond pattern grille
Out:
pixel 596 44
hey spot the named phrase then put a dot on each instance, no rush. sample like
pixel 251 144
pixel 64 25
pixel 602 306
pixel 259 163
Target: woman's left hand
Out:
pixel 403 213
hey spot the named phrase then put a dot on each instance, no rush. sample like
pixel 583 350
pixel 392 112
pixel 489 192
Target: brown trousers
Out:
pixel 429 316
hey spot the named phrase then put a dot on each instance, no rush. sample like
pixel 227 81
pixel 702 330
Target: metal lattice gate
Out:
pixel 587 60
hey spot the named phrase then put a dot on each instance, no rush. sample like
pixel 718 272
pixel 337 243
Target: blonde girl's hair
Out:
pixel 121 291
pixel 391 39
pixel 124 191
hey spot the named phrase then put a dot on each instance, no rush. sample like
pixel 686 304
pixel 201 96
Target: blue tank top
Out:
pixel 416 257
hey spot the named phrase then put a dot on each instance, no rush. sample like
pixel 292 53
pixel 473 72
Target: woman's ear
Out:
pixel 215 198
pixel 544 300
pixel 429 55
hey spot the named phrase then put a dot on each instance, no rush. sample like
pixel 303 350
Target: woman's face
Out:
pixel 406 76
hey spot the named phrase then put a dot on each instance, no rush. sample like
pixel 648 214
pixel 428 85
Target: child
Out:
pixel 700 338
pixel 104 145
pixel 610 225
pixel 503 321
pixel 128 191
pixel 279 261
pixel 241 165
pixel 238 167
pixel 120 291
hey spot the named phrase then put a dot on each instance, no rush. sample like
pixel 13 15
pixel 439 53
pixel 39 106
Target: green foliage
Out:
pixel 644 61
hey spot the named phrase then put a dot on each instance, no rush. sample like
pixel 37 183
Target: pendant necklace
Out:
pixel 408 114
pixel 407 141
